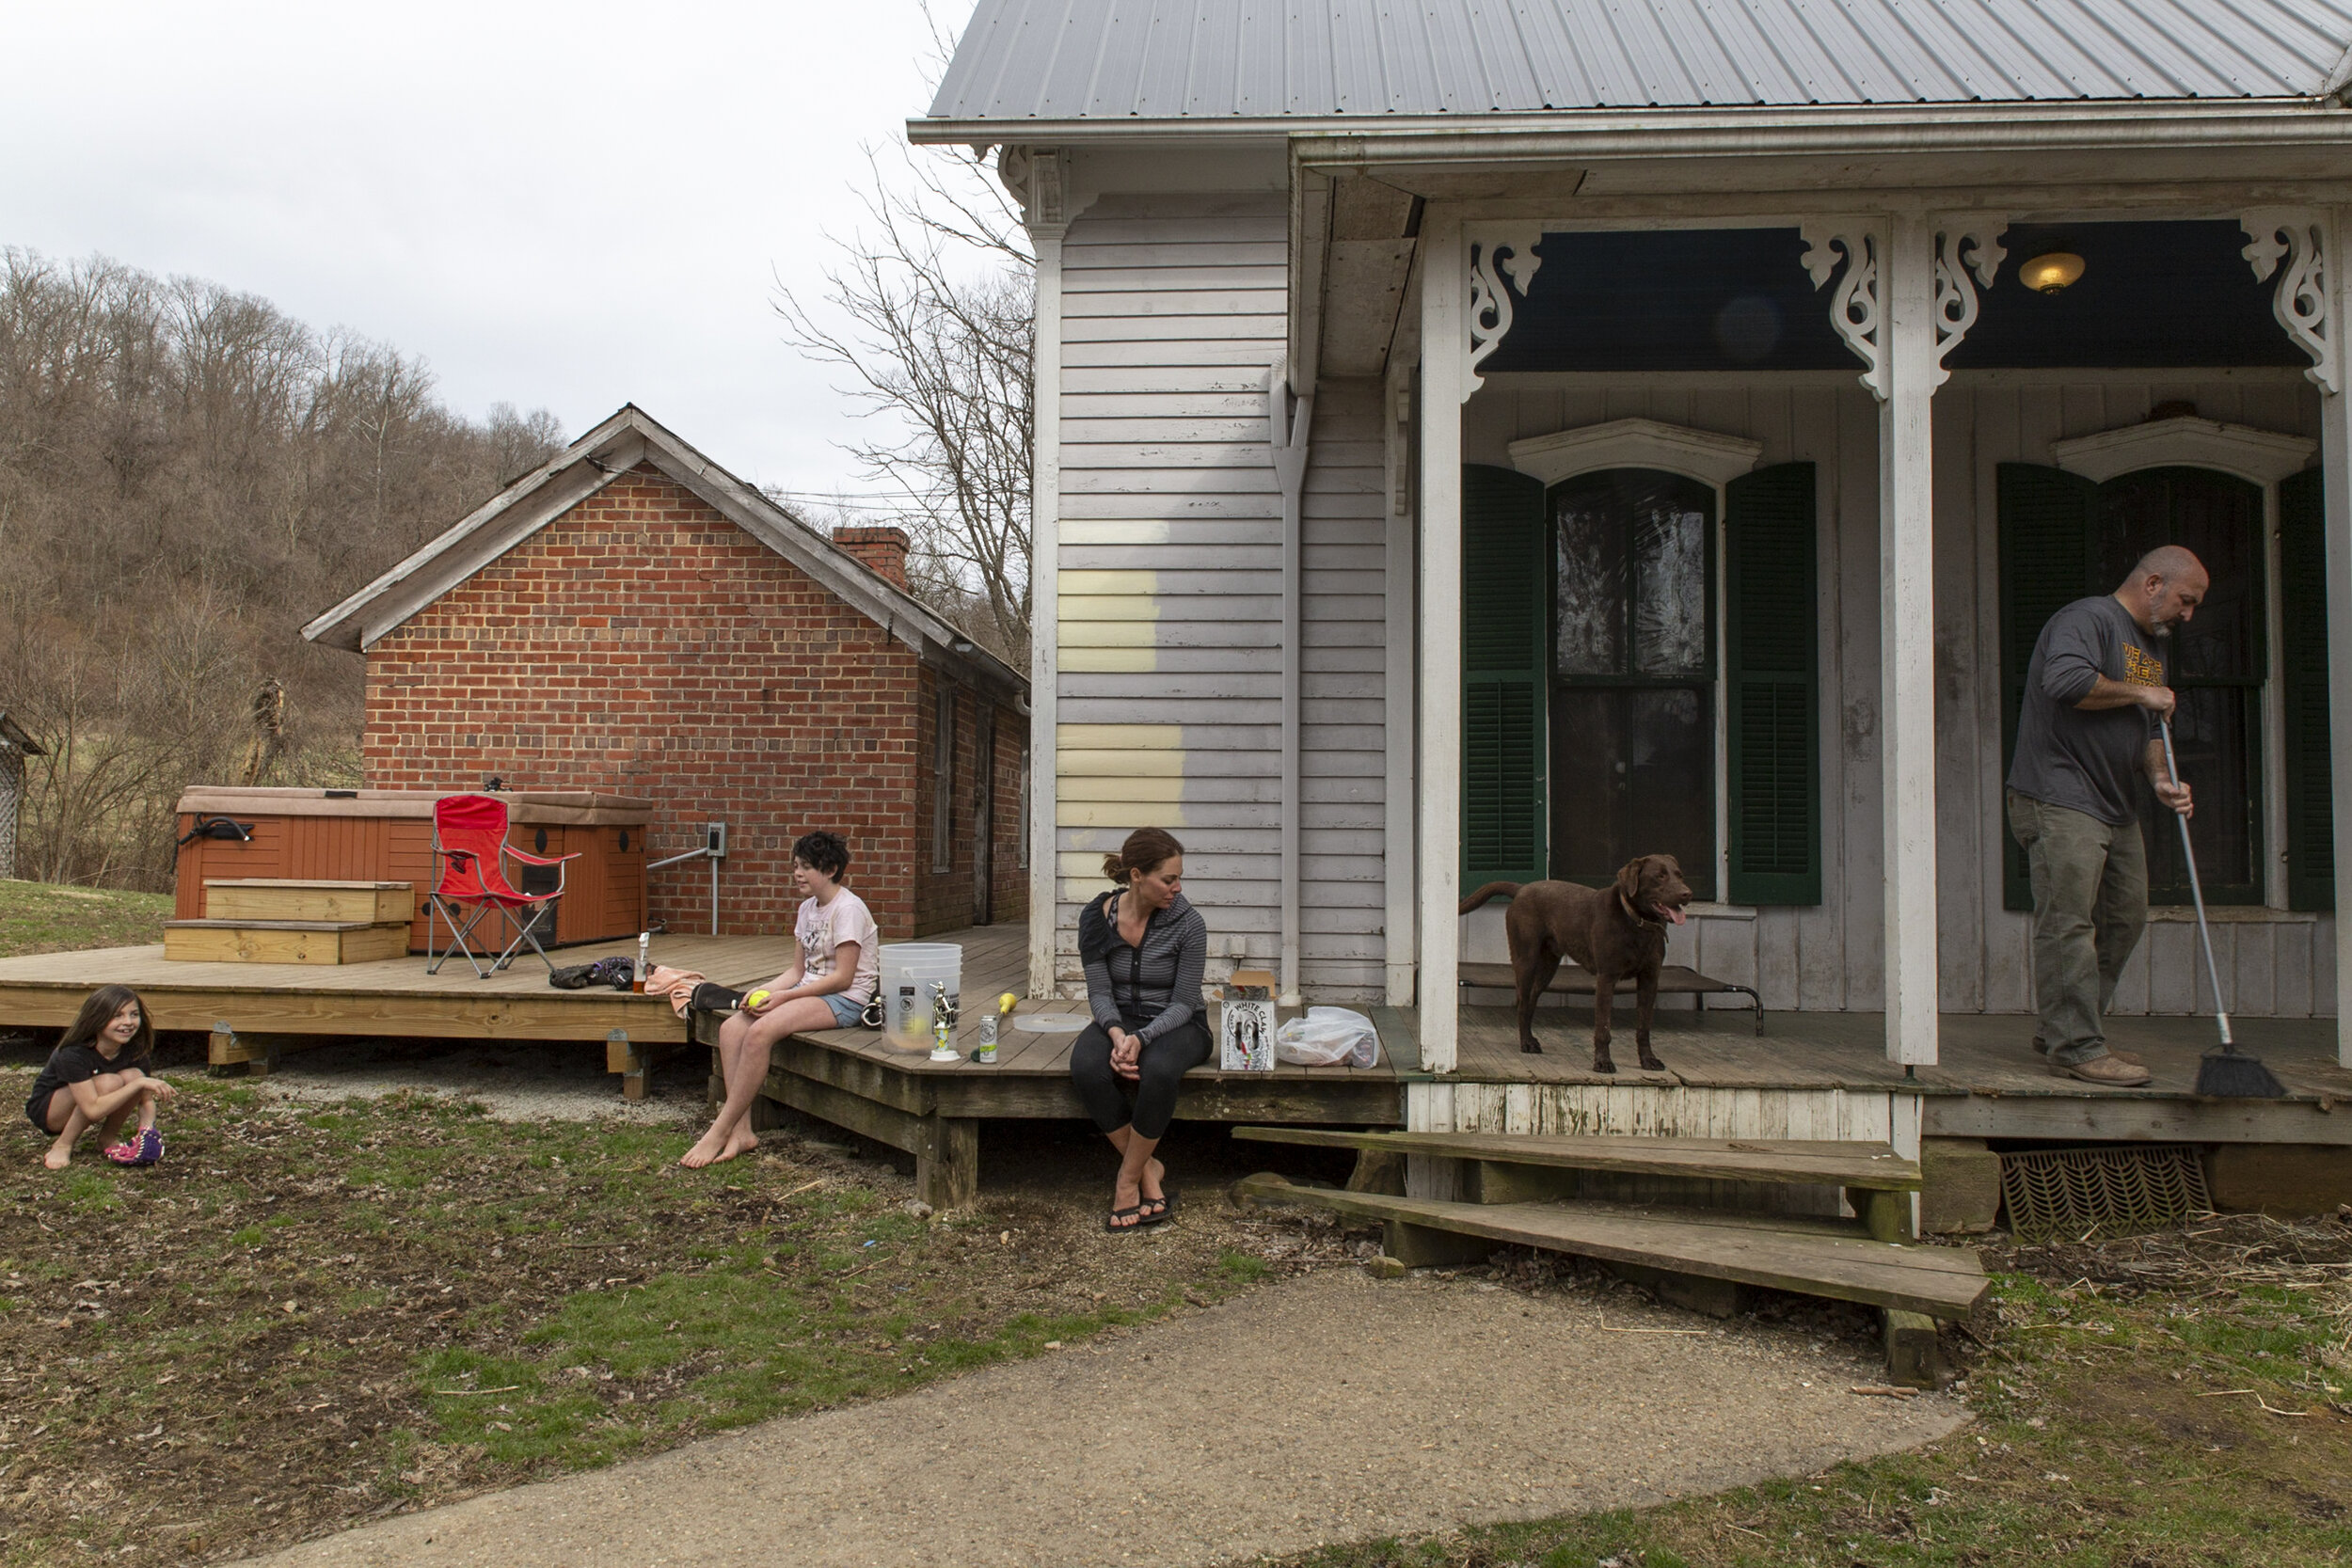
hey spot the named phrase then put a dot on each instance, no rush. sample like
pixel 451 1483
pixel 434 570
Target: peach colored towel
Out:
pixel 677 983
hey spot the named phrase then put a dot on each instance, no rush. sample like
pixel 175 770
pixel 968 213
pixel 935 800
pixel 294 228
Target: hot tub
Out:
pixel 386 835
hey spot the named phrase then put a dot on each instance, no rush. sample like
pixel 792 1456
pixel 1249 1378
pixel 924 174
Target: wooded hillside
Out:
pixel 186 477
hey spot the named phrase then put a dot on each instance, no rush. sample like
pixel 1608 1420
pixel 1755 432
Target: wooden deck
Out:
pixel 1989 1085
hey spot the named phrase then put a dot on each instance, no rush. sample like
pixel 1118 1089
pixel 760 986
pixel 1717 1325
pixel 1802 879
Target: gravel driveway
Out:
pixel 1332 1407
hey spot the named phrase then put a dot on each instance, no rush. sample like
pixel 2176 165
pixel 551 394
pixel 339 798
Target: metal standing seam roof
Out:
pixel 1210 59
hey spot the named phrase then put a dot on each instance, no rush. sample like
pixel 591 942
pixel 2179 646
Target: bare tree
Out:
pixel 187 475
pixel 937 304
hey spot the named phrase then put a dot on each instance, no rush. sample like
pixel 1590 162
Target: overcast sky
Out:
pixel 571 206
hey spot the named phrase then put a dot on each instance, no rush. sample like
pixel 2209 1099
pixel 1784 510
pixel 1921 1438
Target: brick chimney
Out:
pixel 881 549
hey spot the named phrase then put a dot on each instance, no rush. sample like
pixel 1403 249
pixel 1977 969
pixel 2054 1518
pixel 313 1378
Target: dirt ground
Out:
pixel 1325 1408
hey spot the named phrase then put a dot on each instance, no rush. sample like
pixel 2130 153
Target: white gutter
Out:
pixel 1663 131
pixel 1287 435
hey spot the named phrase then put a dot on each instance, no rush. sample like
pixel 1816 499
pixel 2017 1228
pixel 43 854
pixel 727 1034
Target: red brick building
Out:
pixel 630 617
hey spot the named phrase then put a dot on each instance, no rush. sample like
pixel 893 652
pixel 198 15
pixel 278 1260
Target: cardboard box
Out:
pixel 1244 1035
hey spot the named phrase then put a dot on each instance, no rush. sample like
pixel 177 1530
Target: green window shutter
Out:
pixel 2303 662
pixel 1771 666
pixel 1504 620
pixel 2045 550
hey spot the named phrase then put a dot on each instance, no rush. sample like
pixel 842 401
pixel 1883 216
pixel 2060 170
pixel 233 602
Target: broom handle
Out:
pixel 2213 970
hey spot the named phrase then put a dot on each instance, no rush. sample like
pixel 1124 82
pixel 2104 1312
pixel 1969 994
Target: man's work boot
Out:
pixel 2109 1069
pixel 2041 1047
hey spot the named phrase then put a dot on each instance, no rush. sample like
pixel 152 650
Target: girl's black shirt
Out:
pixel 69 1065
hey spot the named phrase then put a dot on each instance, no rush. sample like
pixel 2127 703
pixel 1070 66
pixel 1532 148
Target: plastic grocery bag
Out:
pixel 1328 1037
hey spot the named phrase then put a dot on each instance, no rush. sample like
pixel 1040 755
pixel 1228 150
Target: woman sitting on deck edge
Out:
pixel 835 968
pixel 1144 948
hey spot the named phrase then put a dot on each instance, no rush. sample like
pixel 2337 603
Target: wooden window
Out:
pixel 1772 669
pixel 2062 539
pixel 2303 683
pixel 943 780
pixel 1504 579
pixel 1590 725
pixel 1633 698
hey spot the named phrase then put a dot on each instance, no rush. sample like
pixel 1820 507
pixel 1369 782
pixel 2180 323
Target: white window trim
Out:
pixel 2261 458
pixel 1704 455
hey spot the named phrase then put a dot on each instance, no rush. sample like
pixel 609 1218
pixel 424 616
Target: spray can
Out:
pixel 645 941
pixel 987 1051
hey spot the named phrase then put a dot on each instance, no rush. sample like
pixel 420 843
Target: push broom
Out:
pixel 2224 1072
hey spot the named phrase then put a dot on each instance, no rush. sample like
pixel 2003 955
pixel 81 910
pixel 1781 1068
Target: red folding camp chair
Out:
pixel 469 853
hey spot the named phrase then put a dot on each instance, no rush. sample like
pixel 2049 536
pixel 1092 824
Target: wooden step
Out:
pixel 284 941
pixel 1819 1258
pixel 1787 1161
pixel 251 898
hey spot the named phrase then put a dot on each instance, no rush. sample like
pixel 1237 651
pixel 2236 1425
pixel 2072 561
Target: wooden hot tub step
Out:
pixel 284 941
pixel 252 898
pixel 1841 1263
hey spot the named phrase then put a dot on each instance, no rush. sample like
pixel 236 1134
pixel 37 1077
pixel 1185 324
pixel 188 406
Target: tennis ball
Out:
pixel 757 999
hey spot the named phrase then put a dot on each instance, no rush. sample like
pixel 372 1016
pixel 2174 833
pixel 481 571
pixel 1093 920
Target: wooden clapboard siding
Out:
pixel 1343 699
pixel 1829 957
pixel 1171 556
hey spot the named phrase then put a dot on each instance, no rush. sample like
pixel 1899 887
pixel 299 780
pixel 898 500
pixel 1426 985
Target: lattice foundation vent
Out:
pixel 2112 1190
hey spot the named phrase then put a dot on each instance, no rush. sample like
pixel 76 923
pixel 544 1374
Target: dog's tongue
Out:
pixel 1673 912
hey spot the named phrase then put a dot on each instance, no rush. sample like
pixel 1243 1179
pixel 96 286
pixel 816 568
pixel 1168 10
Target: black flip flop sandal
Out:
pixel 1167 1211
pixel 1116 1228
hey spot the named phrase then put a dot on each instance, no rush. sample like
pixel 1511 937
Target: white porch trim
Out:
pixel 2335 445
pixel 1444 387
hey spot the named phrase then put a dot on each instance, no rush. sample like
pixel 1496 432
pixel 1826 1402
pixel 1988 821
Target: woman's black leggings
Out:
pixel 1164 1063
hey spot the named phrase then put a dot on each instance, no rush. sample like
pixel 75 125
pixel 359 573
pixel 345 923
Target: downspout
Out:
pixel 1289 420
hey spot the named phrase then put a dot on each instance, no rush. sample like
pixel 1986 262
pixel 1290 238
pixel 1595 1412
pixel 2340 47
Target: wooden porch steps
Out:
pixel 1831 1162
pixel 271 898
pixel 284 941
pixel 1810 1258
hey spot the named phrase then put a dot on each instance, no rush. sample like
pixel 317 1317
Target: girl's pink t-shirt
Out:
pixel 821 928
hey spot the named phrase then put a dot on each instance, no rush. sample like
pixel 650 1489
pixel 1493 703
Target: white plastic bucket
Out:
pixel 909 971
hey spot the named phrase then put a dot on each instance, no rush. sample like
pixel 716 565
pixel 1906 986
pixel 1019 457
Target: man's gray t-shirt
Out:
pixel 2088 761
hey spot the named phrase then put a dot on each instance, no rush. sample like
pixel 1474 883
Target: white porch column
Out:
pixel 1444 344
pixel 1037 177
pixel 2335 456
pixel 1907 638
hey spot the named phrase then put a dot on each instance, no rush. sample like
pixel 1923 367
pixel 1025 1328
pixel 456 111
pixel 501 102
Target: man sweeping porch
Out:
pixel 2096 691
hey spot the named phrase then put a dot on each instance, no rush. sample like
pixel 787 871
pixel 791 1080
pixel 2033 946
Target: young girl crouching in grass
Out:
pixel 96 1077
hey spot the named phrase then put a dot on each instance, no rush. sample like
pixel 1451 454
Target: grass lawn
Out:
pixel 51 917
pixel 2150 1402
pixel 307 1315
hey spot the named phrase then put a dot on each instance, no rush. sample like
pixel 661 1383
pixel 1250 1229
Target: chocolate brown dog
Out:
pixel 1617 933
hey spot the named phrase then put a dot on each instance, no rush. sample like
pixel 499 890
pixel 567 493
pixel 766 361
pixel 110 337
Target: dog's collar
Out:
pixel 1637 916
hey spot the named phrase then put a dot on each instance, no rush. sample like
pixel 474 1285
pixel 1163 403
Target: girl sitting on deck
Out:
pixel 836 970
pixel 1144 948
pixel 96 1077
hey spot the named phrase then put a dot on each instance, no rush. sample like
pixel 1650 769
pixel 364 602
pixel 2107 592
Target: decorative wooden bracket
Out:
pixel 1855 308
pixel 1963 246
pixel 1494 257
pixel 2297 236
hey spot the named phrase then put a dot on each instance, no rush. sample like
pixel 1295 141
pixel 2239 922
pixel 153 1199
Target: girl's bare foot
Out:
pixel 59 1156
pixel 709 1146
pixel 742 1141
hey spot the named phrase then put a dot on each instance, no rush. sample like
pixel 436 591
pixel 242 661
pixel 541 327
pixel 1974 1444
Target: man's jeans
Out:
pixel 2089 906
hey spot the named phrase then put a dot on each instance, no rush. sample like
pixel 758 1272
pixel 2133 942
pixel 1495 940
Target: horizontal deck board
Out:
pixel 1850 1164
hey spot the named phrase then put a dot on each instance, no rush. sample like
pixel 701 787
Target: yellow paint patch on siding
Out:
pixel 1115 661
pixel 1119 737
pixel 1164 765
pixel 1126 585
pixel 1111 788
pixel 1114 608
pixel 1138 631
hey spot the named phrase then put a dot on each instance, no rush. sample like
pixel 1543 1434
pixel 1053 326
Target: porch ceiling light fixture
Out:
pixel 2051 272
